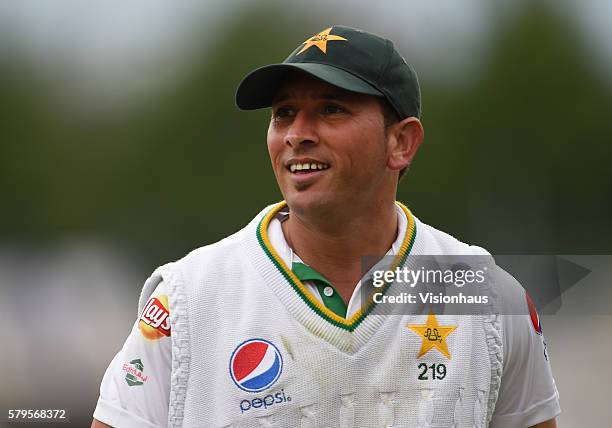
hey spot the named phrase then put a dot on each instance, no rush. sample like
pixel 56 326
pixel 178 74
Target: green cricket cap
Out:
pixel 345 57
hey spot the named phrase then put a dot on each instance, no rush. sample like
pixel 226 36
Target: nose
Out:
pixel 303 130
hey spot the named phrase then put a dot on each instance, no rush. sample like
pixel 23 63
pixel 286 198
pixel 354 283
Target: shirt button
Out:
pixel 328 291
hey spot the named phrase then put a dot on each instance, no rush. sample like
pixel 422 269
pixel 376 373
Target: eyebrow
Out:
pixel 325 96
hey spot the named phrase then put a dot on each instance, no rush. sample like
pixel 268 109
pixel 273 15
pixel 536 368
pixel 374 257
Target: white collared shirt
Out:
pixel 278 241
pixel 527 390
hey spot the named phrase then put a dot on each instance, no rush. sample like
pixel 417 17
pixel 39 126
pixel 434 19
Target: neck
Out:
pixel 334 245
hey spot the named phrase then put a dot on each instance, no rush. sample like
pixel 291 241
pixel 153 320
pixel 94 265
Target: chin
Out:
pixel 308 202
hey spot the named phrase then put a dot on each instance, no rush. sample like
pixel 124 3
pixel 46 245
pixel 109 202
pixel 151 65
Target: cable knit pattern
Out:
pixel 493 334
pixel 426 408
pixel 494 340
pixel 491 319
pixel 347 411
pixel 478 413
pixel 309 416
pixel 180 336
pixel 458 413
pixel 386 409
pixel 179 322
pixel 232 291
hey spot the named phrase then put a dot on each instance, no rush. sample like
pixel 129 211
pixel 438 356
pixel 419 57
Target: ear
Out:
pixel 403 140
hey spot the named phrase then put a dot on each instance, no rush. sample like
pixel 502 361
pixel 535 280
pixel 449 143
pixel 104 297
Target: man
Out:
pixel 270 327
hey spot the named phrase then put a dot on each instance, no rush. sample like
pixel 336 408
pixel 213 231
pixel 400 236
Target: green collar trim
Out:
pixel 355 320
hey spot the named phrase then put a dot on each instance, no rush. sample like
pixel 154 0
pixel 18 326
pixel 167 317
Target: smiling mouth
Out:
pixel 301 168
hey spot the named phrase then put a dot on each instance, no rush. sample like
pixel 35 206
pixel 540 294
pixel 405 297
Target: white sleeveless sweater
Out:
pixel 323 371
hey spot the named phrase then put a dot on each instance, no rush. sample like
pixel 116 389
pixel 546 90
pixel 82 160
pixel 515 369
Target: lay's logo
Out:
pixel 155 318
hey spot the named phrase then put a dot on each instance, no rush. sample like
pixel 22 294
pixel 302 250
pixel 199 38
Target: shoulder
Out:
pixel 226 249
pixel 210 263
pixel 432 241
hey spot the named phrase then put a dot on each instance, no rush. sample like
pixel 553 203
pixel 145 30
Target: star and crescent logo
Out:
pixel 433 335
pixel 320 40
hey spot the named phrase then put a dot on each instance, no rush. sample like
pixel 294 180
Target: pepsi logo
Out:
pixel 255 365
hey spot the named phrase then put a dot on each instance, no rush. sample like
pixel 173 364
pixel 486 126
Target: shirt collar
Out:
pixel 278 241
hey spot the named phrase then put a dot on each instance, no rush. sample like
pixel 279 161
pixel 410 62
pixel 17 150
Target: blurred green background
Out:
pixel 119 135
pixel 516 158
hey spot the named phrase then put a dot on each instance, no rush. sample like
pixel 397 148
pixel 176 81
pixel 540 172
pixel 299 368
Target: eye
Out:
pixel 333 109
pixel 282 112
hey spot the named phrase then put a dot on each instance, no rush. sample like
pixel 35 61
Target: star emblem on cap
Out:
pixel 433 335
pixel 320 40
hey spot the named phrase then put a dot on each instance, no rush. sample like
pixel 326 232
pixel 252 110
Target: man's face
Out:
pixel 327 146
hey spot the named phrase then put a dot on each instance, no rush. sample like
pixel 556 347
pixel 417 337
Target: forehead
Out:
pixel 302 85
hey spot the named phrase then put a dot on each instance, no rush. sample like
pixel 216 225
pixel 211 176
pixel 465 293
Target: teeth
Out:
pixel 307 166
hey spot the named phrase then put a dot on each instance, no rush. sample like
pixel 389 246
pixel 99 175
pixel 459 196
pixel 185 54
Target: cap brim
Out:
pixel 258 88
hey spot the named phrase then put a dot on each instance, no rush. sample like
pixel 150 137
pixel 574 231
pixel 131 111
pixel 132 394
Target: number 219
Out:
pixel 438 371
